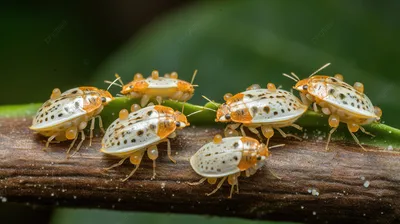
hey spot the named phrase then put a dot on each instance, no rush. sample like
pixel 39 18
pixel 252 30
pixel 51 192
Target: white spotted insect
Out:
pixel 269 109
pixel 226 158
pixel 66 114
pixel 167 87
pixel 341 101
pixel 132 134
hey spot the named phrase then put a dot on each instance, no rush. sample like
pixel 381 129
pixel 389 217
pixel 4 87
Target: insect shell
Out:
pixel 66 114
pixel 269 109
pixel 131 135
pixel 341 101
pixel 225 158
pixel 167 87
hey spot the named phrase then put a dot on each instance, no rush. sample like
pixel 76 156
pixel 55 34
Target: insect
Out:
pixel 226 158
pixel 167 87
pixel 66 114
pixel 341 101
pixel 132 134
pixel 269 109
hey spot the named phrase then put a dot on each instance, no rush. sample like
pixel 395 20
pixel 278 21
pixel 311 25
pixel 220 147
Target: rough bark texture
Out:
pixel 30 175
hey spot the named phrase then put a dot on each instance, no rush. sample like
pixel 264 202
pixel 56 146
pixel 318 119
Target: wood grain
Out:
pixel 30 175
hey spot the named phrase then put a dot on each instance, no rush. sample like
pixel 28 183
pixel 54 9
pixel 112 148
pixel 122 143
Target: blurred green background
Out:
pixel 233 44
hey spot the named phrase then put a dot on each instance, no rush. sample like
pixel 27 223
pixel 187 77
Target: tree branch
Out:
pixel 28 174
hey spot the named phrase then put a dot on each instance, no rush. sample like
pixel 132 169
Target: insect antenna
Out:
pixel 290 77
pixel 294 75
pixel 194 76
pixel 199 111
pixel 118 78
pixel 209 100
pixel 324 66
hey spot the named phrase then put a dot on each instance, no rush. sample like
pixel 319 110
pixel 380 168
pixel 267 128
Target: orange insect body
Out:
pixel 343 102
pixel 226 157
pixel 65 115
pixel 133 134
pixel 266 108
pixel 167 87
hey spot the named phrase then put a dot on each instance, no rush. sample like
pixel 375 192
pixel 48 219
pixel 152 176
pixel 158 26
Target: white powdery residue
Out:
pixel 309 190
pixel 162 185
pixel 314 192
pixel 390 148
pixel 314 213
pixel 302 207
pixel 52 194
pixel 362 178
pixel 3 199
pixel 75 197
pixel 366 184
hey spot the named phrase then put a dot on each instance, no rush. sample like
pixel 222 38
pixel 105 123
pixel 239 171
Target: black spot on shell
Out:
pixel 139 133
pixel 266 109
pixel 152 126
pixel 219 170
pixel 352 104
pixel 271 97
pixel 249 95
pixel 264 97
pixel 235 158
pixel 276 113
pixel 125 141
pixel 52 117
pixel 75 91
pixel 283 110
pixel 254 109
pixel 344 102
pixel 76 105
pixel 235 145
pixel 342 96
pixel 150 112
pixel 331 91
pixel 46 119
pixel 133 140
pixel 118 143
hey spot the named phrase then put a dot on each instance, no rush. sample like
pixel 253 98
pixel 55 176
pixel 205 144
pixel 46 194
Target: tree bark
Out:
pixel 315 186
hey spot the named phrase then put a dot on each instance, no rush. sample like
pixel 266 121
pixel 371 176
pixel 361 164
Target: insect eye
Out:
pixel 305 87
pixel 178 124
pixel 103 99
pixel 227 116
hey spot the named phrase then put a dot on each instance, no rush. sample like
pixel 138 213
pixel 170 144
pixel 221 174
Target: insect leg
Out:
pixel 288 135
pixel 232 131
pixel 242 130
pixel 152 153
pixel 366 132
pixel 159 99
pixel 72 144
pixel 354 128
pixel 315 107
pixel 145 99
pixel 91 130
pixel 329 137
pixel 135 159
pixel 169 152
pixel 198 182
pixel 333 121
pixel 218 186
pixel 298 127
pixel 255 131
pixel 48 141
pixel 101 124
pixel 80 143
pixel 268 132
pixel 117 164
